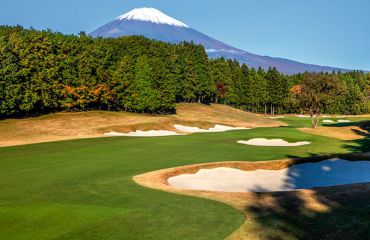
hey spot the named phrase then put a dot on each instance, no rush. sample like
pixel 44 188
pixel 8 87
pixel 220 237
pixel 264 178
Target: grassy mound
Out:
pixel 63 126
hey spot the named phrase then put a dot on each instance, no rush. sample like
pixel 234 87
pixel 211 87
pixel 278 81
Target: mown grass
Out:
pixel 297 122
pixel 83 189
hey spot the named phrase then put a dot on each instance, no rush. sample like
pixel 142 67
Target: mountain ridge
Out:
pixel 153 24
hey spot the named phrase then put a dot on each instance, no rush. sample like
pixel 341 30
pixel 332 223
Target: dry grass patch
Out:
pixel 343 133
pixel 63 126
pixel 222 114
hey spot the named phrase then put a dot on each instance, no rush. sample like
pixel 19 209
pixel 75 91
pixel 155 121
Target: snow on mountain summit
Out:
pixel 151 15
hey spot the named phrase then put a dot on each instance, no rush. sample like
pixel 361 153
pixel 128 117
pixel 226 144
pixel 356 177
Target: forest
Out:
pixel 46 71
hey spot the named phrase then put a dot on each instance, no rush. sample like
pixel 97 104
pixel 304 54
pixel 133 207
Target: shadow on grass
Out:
pixel 340 212
pixel 361 145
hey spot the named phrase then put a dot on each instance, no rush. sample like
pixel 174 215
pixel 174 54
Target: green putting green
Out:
pixel 83 189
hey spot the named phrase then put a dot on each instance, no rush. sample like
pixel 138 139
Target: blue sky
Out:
pixel 325 32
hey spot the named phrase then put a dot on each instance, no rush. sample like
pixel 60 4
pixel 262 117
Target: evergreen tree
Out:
pixel 43 71
pixel 141 94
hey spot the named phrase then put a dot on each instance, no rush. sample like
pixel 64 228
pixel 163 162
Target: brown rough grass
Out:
pixel 343 133
pixel 63 126
pixel 243 201
pixel 222 114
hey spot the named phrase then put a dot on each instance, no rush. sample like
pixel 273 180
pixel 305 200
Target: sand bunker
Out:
pixel 277 117
pixel 272 142
pixel 300 176
pixel 308 116
pixel 138 133
pixel 161 133
pixel 303 116
pixel 327 121
pixel 216 128
pixel 339 121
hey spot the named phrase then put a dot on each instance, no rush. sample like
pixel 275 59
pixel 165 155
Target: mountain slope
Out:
pixel 152 23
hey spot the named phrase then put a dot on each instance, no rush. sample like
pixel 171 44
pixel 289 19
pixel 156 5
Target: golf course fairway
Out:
pixel 83 189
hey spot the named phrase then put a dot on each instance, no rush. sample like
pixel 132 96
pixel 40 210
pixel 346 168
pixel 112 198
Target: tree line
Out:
pixel 46 71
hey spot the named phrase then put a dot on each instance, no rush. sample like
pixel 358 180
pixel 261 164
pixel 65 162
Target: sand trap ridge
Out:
pixel 327 121
pixel 338 121
pixel 277 117
pixel 185 129
pixel 138 133
pixel 300 176
pixel 272 142
pixel 216 128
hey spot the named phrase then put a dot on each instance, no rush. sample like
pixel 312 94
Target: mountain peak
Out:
pixel 151 15
pixel 153 24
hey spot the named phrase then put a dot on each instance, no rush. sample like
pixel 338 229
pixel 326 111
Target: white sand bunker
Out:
pixel 343 121
pixel 138 133
pixel 160 133
pixel 339 121
pixel 303 116
pixel 216 128
pixel 301 176
pixel 272 142
pixel 327 121
pixel 277 117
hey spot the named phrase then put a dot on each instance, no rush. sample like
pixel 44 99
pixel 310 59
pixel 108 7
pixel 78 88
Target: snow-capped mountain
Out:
pixel 151 15
pixel 154 24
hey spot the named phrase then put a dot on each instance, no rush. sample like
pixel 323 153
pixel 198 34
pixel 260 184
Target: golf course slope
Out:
pixel 86 189
pixel 64 126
